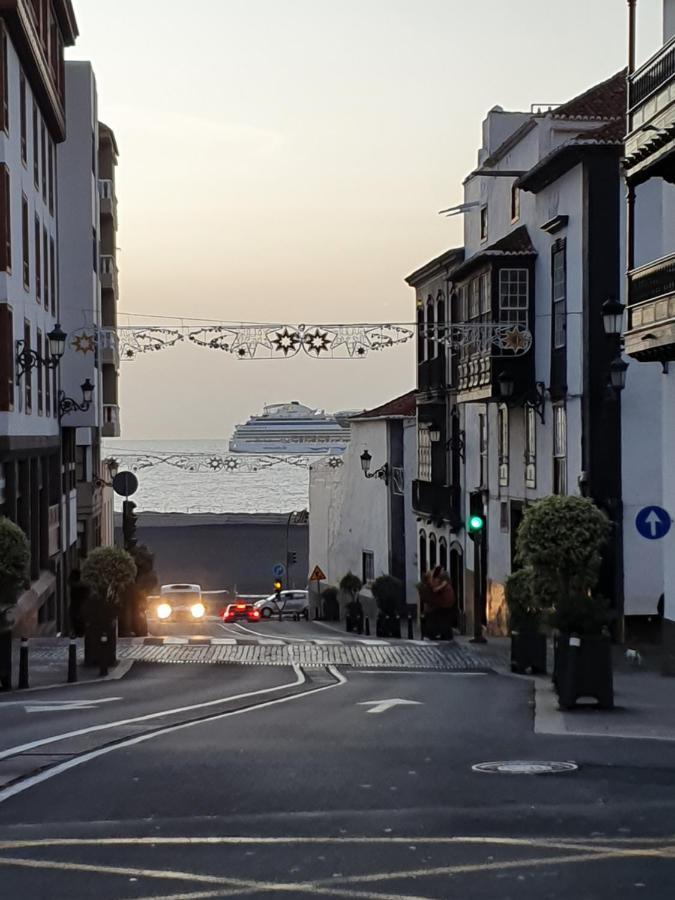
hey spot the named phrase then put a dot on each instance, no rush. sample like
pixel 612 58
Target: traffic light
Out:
pixel 475 525
pixel 292 558
pixel 129 522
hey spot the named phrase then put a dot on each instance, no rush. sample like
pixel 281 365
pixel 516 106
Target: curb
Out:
pixel 120 670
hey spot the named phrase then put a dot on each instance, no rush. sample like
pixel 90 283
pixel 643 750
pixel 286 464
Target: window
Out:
pixel 483 223
pixel 48 384
pixel 559 450
pixel 24 123
pixel 515 202
pixel 431 330
pixel 51 176
pixel 530 447
pixel 36 147
pixel 463 311
pixel 443 554
pixel 474 304
pixel 4 87
pixel 38 261
pixel 504 516
pixel 94 247
pixel 484 294
pixel 433 559
pixel 421 342
pixel 503 444
pixel 397 481
pixel 423 453
pixel 52 273
pixel 440 321
pixel 483 449
pixel 44 161
pixel 81 463
pixel 559 293
pixel 28 374
pixel 422 560
pixel 6 358
pixel 513 296
pixel 5 220
pixel 40 371
pixel 367 566
pixel 25 239
pixel 45 258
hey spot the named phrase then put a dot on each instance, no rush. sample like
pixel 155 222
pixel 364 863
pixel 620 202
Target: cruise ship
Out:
pixel 292 428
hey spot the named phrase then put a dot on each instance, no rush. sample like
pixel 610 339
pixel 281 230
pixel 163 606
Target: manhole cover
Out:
pixel 525 767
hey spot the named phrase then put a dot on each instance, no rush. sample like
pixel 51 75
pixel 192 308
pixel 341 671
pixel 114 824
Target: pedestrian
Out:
pixel 440 603
pixel 79 596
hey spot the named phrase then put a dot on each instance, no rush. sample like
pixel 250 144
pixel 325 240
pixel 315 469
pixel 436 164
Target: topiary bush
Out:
pixel 14 562
pixel 559 540
pixel 388 592
pixel 351 584
pixel 525 611
pixel 109 571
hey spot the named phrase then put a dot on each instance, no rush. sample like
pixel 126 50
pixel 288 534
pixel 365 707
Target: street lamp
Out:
pixel 382 473
pixel 113 468
pixel 434 433
pixel 612 317
pixel 506 385
pixel 617 374
pixel 27 359
pixel 68 405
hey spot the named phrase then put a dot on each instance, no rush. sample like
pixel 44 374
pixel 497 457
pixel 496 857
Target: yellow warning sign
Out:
pixel 317 575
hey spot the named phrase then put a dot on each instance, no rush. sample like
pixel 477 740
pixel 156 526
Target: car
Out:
pixel 289 603
pixel 234 611
pixel 179 603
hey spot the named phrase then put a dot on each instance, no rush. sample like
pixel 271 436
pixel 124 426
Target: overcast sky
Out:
pixel 284 160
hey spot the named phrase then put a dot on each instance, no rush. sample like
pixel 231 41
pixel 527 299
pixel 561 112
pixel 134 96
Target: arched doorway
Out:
pixel 422 561
pixel 456 572
pixel 433 559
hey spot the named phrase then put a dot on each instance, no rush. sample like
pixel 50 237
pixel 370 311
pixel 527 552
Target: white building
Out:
pixel 543 251
pixel 88 211
pixel 36 478
pixel 365 525
pixel 650 325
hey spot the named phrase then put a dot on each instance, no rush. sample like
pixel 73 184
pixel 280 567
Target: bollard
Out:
pixel 103 656
pixel 23 664
pixel 367 625
pixel 316 613
pixel 281 618
pixel 410 628
pixel 72 661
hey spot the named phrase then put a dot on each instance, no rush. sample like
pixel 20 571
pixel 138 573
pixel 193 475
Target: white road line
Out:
pixel 404 673
pixel 46 774
pixel 262 634
pixel 42 742
pixel 220 642
pixel 176 640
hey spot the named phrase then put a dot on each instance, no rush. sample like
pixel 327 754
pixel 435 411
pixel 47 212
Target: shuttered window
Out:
pixel 52 274
pixel 28 374
pixel 43 132
pixel 25 240
pixel 38 260
pixel 51 176
pixel 24 122
pixel 40 371
pixel 5 220
pixel 4 86
pixel 6 358
pixel 45 268
pixel 36 147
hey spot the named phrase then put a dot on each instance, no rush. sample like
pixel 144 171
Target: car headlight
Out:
pixel 163 611
pixel 198 610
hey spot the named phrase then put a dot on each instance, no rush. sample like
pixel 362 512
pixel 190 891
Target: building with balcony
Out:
pixel 36 471
pixel 529 364
pixel 650 315
pixel 365 525
pixel 107 164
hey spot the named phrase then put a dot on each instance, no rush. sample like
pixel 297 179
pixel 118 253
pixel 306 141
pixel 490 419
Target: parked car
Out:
pixel 179 603
pixel 289 603
pixel 235 611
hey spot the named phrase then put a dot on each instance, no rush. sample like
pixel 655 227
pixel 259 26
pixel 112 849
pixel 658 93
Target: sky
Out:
pixel 285 161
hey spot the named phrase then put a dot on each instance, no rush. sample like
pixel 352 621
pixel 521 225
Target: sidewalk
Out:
pixel 48 665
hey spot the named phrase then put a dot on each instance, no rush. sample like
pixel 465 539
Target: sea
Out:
pixel 190 476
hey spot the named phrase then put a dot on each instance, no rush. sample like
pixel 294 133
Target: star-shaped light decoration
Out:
pixel 335 462
pixel 215 464
pixel 286 342
pixel 317 342
pixel 231 464
pixel 516 340
pixel 83 343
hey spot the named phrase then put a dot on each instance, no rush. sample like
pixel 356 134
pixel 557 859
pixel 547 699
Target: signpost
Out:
pixel 125 484
pixel 278 570
pixel 318 576
pixel 653 523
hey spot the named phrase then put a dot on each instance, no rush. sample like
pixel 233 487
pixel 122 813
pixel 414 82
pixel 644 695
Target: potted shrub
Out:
pixel 108 571
pixel 351 585
pixel 388 594
pixel 528 642
pixel 14 559
pixel 560 539
pixel 330 605
pixel 134 603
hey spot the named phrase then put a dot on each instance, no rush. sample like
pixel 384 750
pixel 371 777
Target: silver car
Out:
pixel 289 603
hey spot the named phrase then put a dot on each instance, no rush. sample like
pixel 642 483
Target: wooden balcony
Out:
pixel 650 334
pixel 437 501
pixel 432 375
pixel 650 144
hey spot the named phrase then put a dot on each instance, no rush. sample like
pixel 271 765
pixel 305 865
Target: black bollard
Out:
pixel 410 628
pixel 281 618
pixel 72 661
pixel 367 625
pixel 103 658
pixel 316 613
pixel 23 664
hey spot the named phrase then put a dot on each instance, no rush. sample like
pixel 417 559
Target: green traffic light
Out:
pixel 476 523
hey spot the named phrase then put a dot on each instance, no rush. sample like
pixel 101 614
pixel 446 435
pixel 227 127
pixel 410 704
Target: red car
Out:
pixel 236 611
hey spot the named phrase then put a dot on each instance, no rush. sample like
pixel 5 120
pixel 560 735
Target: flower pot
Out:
pixel 528 652
pixel 583 668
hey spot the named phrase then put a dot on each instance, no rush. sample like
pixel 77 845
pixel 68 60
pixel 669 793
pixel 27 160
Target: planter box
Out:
pixel 437 624
pixel 528 652
pixel 583 668
pixel 388 626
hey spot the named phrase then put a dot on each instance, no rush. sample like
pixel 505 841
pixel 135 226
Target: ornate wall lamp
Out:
pixel 68 405
pixel 28 359
pixel 382 473
pixel 535 398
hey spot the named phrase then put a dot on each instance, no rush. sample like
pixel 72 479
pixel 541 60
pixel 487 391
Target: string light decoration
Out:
pixel 208 462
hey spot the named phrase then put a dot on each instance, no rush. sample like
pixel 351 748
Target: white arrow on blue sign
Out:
pixel 279 570
pixel 653 523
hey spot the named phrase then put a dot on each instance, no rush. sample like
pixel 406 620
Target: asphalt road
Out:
pixel 308 790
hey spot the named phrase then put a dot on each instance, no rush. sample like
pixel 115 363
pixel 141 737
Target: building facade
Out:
pixel 36 472
pixel 108 155
pixel 650 319
pixel 364 525
pixel 530 367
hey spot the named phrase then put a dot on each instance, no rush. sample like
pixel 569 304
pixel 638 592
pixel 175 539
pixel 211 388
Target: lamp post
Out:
pixel 68 405
pixel 27 359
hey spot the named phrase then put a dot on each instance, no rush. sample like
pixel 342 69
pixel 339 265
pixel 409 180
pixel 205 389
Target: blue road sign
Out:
pixel 279 570
pixel 653 523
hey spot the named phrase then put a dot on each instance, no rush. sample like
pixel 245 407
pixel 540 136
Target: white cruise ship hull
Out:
pixel 301 448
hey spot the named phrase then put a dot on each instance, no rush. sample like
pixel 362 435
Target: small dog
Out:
pixel 634 657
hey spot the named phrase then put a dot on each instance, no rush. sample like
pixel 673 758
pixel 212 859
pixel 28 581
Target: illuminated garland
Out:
pixel 209 462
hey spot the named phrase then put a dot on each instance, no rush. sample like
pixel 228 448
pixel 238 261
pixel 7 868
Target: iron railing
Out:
pixel 652 76
pixel 656 279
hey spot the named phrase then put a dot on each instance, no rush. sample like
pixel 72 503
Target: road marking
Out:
pixel 20 787
pixel 326 643
pixel 380 706
pixel 285 637
pixel 271 642
pixel 40 706
pixel 176 640
pixel 404 673
pixel 221 642
pixel 300 678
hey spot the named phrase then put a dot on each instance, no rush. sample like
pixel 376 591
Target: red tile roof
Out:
pixel 606 100
pixel 403 406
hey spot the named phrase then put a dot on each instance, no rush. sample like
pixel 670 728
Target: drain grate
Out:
pixel 525 767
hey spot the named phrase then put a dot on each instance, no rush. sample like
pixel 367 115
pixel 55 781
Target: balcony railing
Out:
pixel 435 500
pixel 108 272
pixel 431 374
pixel 653 76
pixel 111 420
pixel 109 346
pixel 653 281
pixel 106 189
